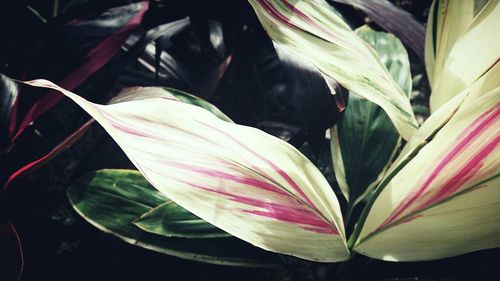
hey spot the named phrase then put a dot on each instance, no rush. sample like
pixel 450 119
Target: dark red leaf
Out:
pixel 96 55
pixel 11 254
pixel 65 144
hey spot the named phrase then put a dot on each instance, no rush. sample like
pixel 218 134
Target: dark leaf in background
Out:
pixel 8 96
pixel 317 98
pixel 179 56
pixel 88 43
pixel 137 45
pixel 394 20
pixel 112 200
pixel 37 163
pixel 11 255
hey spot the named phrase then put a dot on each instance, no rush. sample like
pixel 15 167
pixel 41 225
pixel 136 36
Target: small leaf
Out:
pixel 170 219
pixel 112 200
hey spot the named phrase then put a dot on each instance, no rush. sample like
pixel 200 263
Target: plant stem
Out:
pixel 55 9
pixel 36 13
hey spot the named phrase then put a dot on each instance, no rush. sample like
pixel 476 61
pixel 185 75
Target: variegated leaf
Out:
pixel 462 44
pixel 311 30
pixel 240 179
pixel 444 201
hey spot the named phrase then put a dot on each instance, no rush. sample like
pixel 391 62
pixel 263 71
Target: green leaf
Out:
pixel 112 200
pixel 391 53
pixel 194 100
pixel 138 93
pixel 170 219
pixel 365 140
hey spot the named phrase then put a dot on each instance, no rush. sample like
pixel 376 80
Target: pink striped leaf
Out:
pixel 445 201
pixel 240 179
pixel 312 31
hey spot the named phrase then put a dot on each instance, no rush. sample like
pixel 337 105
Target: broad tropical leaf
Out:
pixel 462 44
pixel 311 30
pixel 364 140
pixel 240 179
pixel 112 200
pixel 444 201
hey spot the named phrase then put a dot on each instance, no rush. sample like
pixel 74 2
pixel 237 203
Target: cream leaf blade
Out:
pixel 446 23
pixel 240 179
pixel 443 202
pixel 467 47
pixel 312 31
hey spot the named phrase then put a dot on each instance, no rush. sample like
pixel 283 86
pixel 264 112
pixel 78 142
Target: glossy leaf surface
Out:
pixel 112 200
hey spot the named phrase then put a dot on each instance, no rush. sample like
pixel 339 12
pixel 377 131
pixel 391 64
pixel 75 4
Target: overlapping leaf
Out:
pixel 364 140
pixel 462 44
pixel 240 179
pixel 170 219
pixel 311 30
pixel 444 201
pixel 114 201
